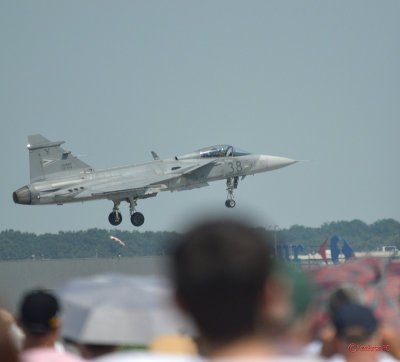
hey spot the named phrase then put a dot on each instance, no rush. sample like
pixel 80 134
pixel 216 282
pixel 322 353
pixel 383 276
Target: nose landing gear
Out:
pixel 230 186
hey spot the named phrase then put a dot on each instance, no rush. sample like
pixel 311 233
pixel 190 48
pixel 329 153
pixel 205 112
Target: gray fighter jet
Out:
pixel 58 177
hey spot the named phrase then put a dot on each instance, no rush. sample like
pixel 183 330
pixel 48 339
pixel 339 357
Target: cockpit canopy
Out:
pixel 216 151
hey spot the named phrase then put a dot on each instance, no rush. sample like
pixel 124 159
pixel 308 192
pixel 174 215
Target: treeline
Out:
pixel 97 243
pixel 83 244
pixel 361 236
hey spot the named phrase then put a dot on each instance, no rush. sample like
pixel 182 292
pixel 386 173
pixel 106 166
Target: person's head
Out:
pixel 221 270
pixel 38 315
pixel 354 324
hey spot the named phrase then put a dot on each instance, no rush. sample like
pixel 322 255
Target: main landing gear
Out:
pixel 115 217
pixel 231 184
pixel 137 218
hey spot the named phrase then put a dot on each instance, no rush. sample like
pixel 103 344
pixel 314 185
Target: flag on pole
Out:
pixel 322 251
pixel 335 251
pixel 347 250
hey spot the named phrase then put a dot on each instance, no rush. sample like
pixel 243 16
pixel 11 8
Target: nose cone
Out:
pixel 22 196
pixel 269 163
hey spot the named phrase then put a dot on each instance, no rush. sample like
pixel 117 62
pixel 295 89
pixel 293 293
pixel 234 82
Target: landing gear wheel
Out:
pixel 137 219
pixel 230 203
pixel 115 218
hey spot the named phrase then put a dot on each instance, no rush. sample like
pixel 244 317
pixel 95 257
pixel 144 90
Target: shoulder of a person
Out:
pixel 47 354
pixel 125 356
pixel 386 357
pixel 275 358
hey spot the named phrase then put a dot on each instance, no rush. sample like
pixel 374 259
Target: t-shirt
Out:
pixel 134 356
pixel 47 355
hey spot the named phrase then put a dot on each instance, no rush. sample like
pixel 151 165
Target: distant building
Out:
pixel 315 258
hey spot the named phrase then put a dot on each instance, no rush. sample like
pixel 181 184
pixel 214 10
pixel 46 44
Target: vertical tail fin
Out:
pixel 48 160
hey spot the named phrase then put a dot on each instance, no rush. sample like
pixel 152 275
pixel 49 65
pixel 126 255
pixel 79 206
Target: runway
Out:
pixel 16 277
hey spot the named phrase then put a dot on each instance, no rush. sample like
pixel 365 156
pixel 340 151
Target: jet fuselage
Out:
pixel 57 177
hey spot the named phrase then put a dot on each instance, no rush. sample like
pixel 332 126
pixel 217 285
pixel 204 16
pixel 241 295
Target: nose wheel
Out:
pixel 230 203
pixel 231 184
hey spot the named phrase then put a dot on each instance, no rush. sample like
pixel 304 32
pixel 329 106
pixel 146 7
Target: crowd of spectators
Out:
pixel 245 305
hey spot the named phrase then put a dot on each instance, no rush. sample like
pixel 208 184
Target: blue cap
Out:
pixel 354 322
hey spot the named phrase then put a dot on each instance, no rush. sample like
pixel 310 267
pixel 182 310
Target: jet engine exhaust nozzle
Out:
pixel 22 196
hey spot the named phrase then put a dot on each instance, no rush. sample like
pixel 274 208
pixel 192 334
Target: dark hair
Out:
pixel 220 269
pixel 345 293
pixel 97 350
pixel 38 312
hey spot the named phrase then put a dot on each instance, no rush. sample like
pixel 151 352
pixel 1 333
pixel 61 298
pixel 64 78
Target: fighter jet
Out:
pixel 58 177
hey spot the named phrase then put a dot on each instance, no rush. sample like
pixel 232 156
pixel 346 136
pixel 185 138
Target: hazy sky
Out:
pixel 309 80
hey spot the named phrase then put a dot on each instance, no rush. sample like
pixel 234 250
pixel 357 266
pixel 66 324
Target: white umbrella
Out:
pixel 119 309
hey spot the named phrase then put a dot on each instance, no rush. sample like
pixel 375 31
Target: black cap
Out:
pixel 38 312
pixel 354 322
